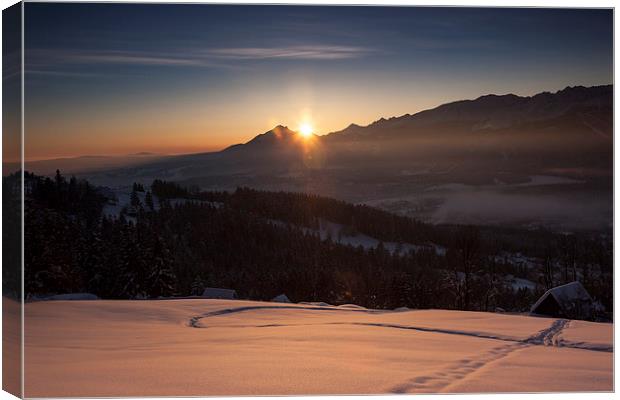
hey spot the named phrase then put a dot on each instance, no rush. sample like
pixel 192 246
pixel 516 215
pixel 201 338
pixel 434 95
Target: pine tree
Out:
pixel 161 279
pixel 58 178
pixel 198 286
pixel 148 200
pixel 130 268
pixel 138 187
pixel 135 202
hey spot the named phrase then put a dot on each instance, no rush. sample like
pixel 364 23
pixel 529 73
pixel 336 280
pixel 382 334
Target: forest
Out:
pixel 175 241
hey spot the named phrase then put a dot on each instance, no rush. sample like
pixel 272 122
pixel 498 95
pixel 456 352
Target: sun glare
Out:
pixel 306 130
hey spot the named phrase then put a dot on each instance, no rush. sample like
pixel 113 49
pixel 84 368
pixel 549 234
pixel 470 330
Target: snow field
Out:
pixel 230 347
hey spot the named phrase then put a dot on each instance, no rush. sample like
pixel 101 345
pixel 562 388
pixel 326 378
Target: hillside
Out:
pixel 167 240
pixel 226 347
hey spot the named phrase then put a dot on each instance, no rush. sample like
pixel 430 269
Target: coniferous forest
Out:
pixel 175 241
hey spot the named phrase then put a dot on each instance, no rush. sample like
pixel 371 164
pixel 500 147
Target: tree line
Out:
pixel 265 243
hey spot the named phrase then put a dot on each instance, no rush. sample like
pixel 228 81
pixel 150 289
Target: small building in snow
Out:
pixel 217 293
pixel 281 298
pixel 571 300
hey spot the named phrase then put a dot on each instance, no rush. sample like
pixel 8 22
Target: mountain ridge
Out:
pixel 554 104
pixel 576 120
pixel 282 131
pixel 543 105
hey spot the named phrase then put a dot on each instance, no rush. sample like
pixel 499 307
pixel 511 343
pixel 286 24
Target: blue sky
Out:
pixel 121 78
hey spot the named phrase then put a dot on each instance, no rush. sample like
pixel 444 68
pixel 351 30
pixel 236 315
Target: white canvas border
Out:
pixel 457 3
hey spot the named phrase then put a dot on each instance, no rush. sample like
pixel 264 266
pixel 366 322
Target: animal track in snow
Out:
pixel 441 380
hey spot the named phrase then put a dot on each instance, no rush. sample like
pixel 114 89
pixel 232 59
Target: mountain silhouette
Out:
pixel 278 136
pixel 570 131
pixel 592 106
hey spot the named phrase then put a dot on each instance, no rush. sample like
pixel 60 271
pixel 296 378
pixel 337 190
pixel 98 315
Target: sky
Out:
pixel 111 79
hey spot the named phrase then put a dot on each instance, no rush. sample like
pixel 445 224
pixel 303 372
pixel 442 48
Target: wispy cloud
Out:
pixel 293 52
pixel 76 57
pixel 42 60
pixel 128 58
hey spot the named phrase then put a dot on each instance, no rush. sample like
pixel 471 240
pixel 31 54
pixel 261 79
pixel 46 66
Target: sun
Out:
pixel 306 130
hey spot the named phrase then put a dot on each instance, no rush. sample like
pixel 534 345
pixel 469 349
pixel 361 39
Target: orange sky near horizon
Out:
pixel 190 125
pixel 194 127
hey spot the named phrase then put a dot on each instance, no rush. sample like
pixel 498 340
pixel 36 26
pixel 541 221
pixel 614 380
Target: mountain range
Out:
pixel 574 127
pixel 493 112
pixel 507 144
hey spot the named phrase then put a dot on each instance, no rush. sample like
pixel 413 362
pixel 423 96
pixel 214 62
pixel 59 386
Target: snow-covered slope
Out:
pixel 225 347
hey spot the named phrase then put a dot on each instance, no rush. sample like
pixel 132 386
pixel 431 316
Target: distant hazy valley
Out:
pixel 526 161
